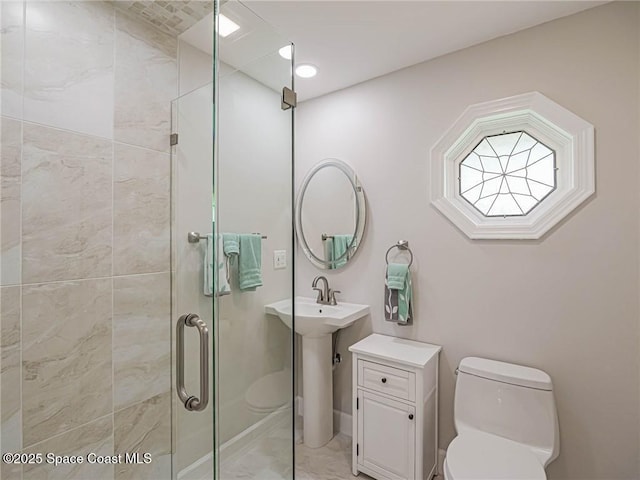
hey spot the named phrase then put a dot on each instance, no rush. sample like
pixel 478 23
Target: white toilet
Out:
pixel 506 420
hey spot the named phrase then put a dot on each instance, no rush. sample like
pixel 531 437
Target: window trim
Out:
pixel 571 137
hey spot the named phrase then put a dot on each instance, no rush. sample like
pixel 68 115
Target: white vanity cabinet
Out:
pixel 395 408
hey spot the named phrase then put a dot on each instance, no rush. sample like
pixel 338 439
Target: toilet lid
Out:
pixel 482 456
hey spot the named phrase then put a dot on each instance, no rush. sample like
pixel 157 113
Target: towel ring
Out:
pixel 401 245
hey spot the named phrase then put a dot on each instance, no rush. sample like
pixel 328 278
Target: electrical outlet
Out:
pixel 279 259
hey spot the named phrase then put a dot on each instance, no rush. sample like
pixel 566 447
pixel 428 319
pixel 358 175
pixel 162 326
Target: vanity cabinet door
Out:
pixel 386 436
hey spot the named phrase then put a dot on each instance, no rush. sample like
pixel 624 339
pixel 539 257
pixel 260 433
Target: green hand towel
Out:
pixel 230 244
pixel 396 275
pixel 328 251
pixel 398 293
pixel 216 276
pixel 341 244
pixel 250 261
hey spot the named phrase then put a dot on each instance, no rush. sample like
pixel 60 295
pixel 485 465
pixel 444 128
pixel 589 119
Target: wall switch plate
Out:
pixel 279 259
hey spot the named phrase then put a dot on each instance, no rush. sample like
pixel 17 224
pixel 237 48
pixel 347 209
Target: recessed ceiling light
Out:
pixel 306 70
pixel 285 52
pixel 226 26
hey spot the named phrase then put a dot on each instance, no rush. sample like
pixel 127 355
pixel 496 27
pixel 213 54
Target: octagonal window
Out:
pixel 513 167
pixel 507 174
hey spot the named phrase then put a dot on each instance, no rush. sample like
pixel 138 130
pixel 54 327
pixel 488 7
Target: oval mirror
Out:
pixel 330 214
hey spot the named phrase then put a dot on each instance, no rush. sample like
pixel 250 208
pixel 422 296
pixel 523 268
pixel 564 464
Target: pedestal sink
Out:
pixel 316 323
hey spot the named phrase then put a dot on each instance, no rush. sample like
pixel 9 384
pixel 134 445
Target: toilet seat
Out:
pixel 270 392
pixel 482 456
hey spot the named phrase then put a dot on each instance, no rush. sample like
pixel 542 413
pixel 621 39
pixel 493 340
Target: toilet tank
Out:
pixel 511 401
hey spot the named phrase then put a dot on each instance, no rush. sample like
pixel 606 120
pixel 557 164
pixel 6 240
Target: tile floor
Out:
pixel 331 462
pixel 268 458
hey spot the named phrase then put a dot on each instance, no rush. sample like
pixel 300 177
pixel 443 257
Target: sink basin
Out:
pixel 315 319
pixel 316 323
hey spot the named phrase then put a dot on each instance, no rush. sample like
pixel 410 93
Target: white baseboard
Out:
pixel 341 420
pixel 441 454
pixel 342 423
pixel 231 447
pixel 198 469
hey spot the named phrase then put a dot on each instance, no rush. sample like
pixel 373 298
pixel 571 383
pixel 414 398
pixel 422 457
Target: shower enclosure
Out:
pixel 251 193
pixel 132 140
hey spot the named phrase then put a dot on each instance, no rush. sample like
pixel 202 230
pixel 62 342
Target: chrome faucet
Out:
pixel 326 295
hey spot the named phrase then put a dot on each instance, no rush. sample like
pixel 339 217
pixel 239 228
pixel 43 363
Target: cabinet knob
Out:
pixel 384 379
pixel 411 416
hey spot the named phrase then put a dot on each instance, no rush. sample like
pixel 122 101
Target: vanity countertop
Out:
pixel 406 351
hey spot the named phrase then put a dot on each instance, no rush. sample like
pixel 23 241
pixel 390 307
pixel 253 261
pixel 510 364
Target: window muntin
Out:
pixel 508 174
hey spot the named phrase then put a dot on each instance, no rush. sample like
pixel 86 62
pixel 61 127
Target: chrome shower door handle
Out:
pixel 191 402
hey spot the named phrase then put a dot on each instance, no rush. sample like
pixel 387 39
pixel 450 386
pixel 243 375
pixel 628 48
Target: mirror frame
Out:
pixel 361 212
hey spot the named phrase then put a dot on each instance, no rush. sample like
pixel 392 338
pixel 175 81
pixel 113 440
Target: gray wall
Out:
pixel 85 237
pixel 567 303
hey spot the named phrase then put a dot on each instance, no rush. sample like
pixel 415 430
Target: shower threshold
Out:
pixel 263 450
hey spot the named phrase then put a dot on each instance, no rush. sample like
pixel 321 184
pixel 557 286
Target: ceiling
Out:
pixel 172 17
pixel 353 41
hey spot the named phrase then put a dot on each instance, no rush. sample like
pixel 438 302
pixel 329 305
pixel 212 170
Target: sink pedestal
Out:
pixel 317 390
pixel 316 323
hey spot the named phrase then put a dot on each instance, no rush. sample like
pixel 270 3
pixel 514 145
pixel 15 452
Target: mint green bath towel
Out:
pixel 250 261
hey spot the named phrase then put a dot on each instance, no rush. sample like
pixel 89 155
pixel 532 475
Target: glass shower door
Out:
pixel 254 193
pixel 235 132
pixel 192 232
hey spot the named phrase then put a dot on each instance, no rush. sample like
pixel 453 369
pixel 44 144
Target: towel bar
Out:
pixel 195 237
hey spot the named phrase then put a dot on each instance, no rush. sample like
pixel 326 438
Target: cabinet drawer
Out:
pixel 382 378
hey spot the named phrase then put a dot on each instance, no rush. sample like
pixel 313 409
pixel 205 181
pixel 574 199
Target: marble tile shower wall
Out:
pixel 85 267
